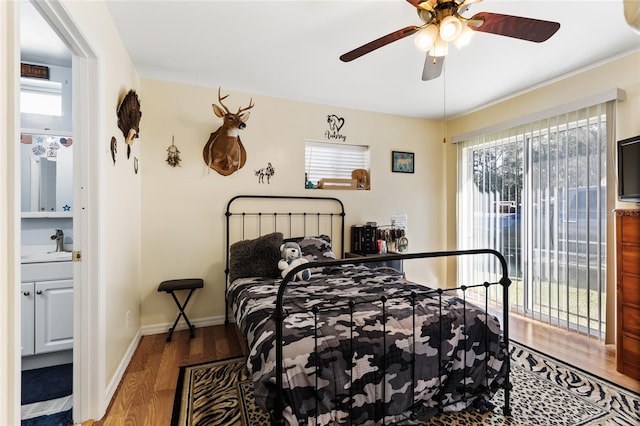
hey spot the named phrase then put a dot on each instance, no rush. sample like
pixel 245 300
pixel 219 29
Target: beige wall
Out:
pixel 182 207
pixel 117 189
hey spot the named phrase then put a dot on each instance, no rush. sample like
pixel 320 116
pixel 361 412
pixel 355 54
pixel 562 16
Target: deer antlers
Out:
pixel 220 99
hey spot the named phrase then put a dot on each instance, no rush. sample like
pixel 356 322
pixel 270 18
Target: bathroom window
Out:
pixel 40 97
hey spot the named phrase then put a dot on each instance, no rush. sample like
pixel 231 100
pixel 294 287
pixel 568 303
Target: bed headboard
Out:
pixel 252 216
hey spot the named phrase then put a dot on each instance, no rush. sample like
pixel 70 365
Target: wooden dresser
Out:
pixel 628 292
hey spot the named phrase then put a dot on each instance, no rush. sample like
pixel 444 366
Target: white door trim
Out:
pixel 89 399
pixel 9 215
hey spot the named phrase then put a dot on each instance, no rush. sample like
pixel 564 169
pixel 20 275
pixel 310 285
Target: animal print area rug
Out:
pixel 545 392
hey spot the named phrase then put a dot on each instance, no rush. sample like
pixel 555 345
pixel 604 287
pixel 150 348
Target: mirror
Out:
pixel 46 173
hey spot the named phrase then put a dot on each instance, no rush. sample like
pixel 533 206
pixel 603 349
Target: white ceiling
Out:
pixel 290 49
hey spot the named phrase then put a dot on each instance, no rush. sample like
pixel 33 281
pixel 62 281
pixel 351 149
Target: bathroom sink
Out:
pixel 50 256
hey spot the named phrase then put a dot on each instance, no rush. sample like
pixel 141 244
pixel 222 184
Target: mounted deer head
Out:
pixel 224 151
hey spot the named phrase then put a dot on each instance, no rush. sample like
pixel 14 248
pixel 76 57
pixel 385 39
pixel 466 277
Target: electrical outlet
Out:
pixel 127 319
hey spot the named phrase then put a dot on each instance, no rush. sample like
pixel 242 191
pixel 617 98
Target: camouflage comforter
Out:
pixel 348 356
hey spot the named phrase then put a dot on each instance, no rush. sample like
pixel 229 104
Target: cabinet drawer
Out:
pixel 631 259
pixel 628 292
pixel 631 321
pixel 47 271
pixel 630 286
pixel 631 370
pixel 631 230
pixel 630 350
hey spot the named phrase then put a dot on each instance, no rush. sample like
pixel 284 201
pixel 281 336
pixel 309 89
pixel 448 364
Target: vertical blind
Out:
pixel 537 193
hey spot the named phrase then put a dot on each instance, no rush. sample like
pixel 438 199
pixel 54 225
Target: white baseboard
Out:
pixel 182 325
pixel 124 363
pixel 146 331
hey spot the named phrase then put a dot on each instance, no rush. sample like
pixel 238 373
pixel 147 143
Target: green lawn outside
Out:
pixel 553 302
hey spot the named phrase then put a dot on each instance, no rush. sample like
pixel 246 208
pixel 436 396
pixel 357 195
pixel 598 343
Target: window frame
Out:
pixel 334 161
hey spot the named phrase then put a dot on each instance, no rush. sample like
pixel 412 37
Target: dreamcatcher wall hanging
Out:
pixel 173 154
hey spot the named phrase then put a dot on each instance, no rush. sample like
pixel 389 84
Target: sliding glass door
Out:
pixel 537 194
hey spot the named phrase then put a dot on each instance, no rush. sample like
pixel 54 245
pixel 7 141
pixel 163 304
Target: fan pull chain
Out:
pixel 444 103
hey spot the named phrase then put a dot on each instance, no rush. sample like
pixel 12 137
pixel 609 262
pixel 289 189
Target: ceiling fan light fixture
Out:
pixel 465 37
pixel 426 37
pixel 450 28
pixel 443 21
pixel 440 48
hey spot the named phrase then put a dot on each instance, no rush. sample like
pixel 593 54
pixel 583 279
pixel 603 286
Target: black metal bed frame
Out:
pixel 336 213
pixel 279 313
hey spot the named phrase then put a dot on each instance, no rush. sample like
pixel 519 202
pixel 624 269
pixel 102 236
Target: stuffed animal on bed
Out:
pixel 292 257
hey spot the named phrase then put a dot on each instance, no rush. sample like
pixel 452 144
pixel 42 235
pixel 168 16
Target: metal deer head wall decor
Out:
pixel 224 151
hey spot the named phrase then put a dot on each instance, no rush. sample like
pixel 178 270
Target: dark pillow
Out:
pixel 315 249
pixel 255 258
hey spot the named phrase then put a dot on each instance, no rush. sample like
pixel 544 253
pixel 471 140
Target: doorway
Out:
pixel 88 335
pixel 46 212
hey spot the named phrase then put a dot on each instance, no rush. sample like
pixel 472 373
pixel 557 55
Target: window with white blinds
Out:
pixel 331 160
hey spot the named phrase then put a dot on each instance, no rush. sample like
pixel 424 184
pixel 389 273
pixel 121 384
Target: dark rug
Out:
pixel 47 383
pixel 64 418
pixel 43 391
pixel 545 392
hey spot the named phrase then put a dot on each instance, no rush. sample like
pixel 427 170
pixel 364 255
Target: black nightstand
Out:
pixel 395 264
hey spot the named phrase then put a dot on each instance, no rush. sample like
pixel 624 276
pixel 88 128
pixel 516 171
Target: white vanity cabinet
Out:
pixel 47 307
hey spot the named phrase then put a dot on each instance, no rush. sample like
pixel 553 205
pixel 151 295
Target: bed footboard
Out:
pixel 345 403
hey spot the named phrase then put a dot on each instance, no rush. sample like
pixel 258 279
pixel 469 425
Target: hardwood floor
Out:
pixel 145 395
pixel 573 348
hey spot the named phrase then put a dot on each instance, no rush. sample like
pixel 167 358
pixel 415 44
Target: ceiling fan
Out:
pixel 443 23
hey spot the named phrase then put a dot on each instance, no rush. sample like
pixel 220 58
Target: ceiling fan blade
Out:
pixel 528 29
pixel 432 67
pixel 378 43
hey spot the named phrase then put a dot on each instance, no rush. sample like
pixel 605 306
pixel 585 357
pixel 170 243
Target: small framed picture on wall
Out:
pixel 402 162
